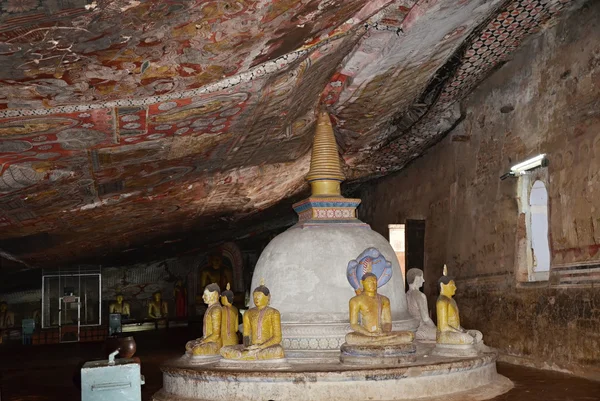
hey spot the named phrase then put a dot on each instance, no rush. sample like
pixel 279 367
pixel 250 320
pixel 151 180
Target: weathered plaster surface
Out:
pixel 545 100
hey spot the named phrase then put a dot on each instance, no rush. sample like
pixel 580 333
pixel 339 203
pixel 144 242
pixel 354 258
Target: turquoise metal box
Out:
pixel 111 380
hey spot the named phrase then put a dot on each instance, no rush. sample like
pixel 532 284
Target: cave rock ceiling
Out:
pixel 126 122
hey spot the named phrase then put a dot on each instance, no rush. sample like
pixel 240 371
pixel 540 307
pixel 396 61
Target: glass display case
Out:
pixel 71 298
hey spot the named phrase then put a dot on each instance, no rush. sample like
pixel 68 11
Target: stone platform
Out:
pixel 430 377
pixel 378 355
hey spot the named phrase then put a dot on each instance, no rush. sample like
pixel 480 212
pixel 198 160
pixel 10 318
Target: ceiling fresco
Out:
pixel 126 124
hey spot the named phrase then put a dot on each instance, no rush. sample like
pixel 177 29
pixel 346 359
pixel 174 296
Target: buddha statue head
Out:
pixel 369 283
pixel 414 278
pixel 447 284
pixel 157 296
pixel 119 298
pixel 211 294
pixel 227 296
pixel 215 260
pixel 261 296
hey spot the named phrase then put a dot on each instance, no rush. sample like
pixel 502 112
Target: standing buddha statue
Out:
pixel 180 295
pixel 262 331
pixel 449 330
pixel 210 343
pixel 230 319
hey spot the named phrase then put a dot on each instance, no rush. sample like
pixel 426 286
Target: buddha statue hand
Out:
pixel 390 338
pixel 252 353
pixel 200 347
pixel 465 337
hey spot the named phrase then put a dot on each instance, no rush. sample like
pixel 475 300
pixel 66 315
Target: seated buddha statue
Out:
pixel 262 331
pixel 371 318
pixel 211 341
pixel 417 306
pixel 119 306
pixel 230 319
pixel 449 330
pixel 157 308
pixel 216 271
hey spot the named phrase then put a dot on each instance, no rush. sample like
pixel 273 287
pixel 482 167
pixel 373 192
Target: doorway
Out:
pixel 415 244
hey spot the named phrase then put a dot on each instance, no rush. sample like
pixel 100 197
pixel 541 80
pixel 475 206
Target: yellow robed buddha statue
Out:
pixel 211 341
pixel 449 330
pixel 119 306
pixel 262 331
pixel 157 308
pixel 371 318
pixel 230 319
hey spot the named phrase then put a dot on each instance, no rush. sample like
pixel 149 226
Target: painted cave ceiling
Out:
pixel 126 125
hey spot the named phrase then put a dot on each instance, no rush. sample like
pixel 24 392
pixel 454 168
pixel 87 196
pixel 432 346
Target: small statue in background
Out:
pixel 417 306
pixel 157 308
pixel 7 319
pixel 119 306
pixel 211 341
pixel 230 319
pixel 180 294
pixel 449 330
pixel 262 331
pixel 371 318
pixel 216 272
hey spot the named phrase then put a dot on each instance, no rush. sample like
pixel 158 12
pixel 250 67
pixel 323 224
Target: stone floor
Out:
pixel 50 372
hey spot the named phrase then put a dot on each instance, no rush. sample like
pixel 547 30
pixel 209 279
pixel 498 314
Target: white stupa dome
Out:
pixel 305 266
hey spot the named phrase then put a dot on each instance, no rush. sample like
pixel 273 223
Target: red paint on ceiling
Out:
pixel 126 122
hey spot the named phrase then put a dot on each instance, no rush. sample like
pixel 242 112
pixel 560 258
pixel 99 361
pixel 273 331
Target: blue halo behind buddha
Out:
pixel 369 261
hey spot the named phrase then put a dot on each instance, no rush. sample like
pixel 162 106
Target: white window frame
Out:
pixel 524 252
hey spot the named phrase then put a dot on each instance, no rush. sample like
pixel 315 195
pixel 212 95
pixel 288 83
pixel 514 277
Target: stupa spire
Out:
pixel 325 175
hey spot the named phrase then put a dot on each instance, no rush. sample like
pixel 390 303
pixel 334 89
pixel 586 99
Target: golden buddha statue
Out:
pixel 262 331
pixel 211 341
pixel 157 308
pixel 216 272
pixel 119 306
pixel 371 318
pixel 449 330
pixel 230 319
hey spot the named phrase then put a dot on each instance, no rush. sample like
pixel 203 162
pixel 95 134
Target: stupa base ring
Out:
pixel 428 378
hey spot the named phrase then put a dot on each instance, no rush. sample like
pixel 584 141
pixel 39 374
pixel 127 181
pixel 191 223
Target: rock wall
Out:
pixel 545 100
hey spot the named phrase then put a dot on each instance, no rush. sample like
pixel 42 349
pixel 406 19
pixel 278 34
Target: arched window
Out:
pixel 540 245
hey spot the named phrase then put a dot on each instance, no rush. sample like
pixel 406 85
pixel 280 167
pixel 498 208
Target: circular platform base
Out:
pixel 429 378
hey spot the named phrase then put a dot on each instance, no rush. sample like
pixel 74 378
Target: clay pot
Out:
pixel 125 345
